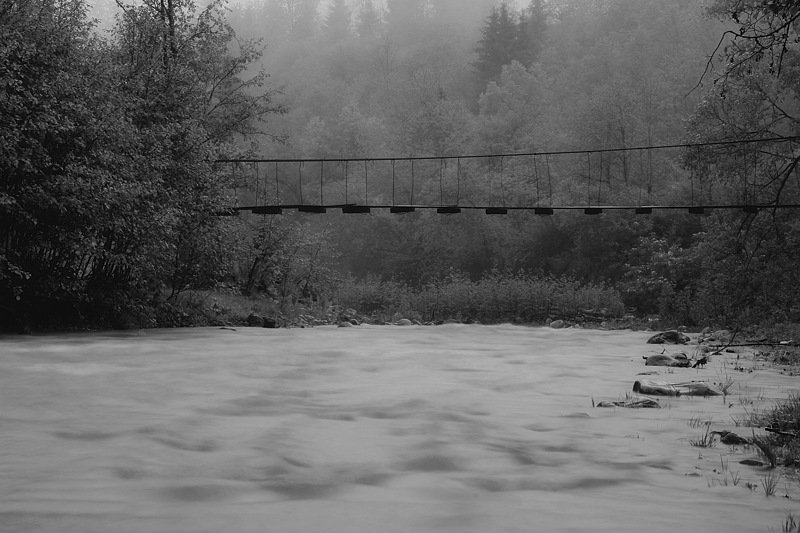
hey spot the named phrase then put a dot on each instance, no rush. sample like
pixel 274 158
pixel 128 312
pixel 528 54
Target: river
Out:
pixel 384 429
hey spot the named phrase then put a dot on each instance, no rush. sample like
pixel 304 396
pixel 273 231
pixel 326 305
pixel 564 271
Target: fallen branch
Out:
pixel 782 433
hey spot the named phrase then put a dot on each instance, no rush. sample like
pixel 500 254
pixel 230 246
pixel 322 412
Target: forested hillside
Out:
pixel 119 213
pixel 444 79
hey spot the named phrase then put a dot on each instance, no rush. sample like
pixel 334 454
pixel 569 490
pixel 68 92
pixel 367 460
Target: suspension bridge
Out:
pixel 637 179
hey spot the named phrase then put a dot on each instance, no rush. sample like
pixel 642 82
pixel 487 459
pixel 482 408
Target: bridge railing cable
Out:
pixel 526 181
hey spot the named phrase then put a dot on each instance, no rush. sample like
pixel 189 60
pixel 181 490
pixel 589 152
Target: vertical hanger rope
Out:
pixel 589 180
pixel 458 181
pixel 300 174
pixel 412 182
pixel 549 181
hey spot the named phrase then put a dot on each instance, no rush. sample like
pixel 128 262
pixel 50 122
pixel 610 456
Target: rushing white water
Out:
pixel 368 429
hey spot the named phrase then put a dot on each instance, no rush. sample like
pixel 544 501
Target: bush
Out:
pixel 371 296
pixel 781 445
pixel 496 297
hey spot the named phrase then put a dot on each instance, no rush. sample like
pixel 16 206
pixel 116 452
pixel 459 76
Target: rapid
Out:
pixel 455 428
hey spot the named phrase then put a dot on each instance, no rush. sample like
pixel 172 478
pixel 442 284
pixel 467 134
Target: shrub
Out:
pixel 496 297
pixel 780 446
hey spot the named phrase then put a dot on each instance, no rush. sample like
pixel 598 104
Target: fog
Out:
pixel 442 429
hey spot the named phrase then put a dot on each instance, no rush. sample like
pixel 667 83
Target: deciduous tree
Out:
pixel 109 189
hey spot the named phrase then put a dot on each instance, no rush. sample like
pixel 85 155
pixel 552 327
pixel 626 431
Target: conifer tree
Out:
pixel 368 19
pixel 337 23
pixel 532 26
pixel 405 17
pixel 499 44
pixel 301 17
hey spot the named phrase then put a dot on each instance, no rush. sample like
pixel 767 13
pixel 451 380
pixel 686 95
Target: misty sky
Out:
pixel 105 9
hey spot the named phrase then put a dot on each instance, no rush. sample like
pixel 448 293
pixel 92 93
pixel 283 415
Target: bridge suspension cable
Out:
pixel 406 184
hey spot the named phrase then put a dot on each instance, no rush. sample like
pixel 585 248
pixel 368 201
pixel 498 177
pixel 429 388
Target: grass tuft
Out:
pixel 706 439
pixel 765 445
pixel 725 384
pixel 697 422
pixel 770 483
pixel 790 524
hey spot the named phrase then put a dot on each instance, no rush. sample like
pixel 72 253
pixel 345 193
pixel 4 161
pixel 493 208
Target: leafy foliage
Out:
pixel 765 31
pixel 497 297
pixel 749 258
pixel 108 198
pixel 287 260
pixel 108 188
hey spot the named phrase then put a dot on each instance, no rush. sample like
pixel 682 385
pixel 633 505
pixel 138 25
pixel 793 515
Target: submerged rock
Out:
pixel 678 359
pixel 632 403
pixel 730 438
pixel 751 462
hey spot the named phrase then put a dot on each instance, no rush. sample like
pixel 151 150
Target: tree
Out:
pixel 754 98
pixel 59 131
pixel 657 273
pixel 764 31
pixel 189 111
pixel 305 21
pixel 368 20
pixel 276 24
pixel 287 259
pixel 405 18
pixel 499 44
pixel 337 23
pixel 109 188
pixel 458 18
pixel 511 109
pixel 298 17
pixel 532 28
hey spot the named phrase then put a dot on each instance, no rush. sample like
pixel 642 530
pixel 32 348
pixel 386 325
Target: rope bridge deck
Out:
pixel 588 181
pixel 490 210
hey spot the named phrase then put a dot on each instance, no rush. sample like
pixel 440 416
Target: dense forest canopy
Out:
pixel 110 131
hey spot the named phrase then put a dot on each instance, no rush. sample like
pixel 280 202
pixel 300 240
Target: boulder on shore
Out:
pixel 668 337
pixel 721 336
pixel 255 321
